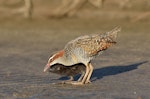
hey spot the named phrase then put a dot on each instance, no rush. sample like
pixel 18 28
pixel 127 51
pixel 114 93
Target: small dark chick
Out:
pixel 69 71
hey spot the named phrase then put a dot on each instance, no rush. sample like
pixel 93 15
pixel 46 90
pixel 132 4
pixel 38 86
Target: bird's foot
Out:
pixel 88 82
pixel 74 83
pixel 66 81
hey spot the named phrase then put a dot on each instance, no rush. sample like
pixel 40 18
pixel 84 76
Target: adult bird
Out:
pixel 82 50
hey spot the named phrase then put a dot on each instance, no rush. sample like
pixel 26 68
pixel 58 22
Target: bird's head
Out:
pixel 54 59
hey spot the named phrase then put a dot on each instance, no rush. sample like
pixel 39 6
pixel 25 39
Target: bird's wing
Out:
pixel 93 44
pixel 90 45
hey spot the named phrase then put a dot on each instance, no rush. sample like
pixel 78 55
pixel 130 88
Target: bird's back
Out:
pixel 90 45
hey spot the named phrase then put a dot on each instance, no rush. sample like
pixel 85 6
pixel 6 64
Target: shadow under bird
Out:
pixel 82 50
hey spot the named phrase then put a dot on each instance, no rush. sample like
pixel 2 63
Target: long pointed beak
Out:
pixel 46 67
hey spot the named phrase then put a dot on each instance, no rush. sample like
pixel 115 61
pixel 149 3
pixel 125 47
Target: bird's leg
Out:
pixel 71 78
pixel 81 77
pixel 86 73
pixel 90 73
pixel 84 78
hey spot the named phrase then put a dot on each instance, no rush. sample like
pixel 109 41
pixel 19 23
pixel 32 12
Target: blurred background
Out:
pixel 133 10
pixel 32 30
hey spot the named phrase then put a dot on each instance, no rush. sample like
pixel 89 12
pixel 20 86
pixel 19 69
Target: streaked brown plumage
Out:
pixel 82 50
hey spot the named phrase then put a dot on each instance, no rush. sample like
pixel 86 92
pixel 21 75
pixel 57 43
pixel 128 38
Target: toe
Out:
pixel 88 82
pixel 74 83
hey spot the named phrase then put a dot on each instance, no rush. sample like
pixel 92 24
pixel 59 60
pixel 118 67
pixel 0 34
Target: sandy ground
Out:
pixel 121 72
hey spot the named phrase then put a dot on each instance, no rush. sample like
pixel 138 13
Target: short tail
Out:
pixel 111 36
pixel 113 33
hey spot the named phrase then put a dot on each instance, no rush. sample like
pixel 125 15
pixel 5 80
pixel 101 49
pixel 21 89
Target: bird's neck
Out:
pixel 64 61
